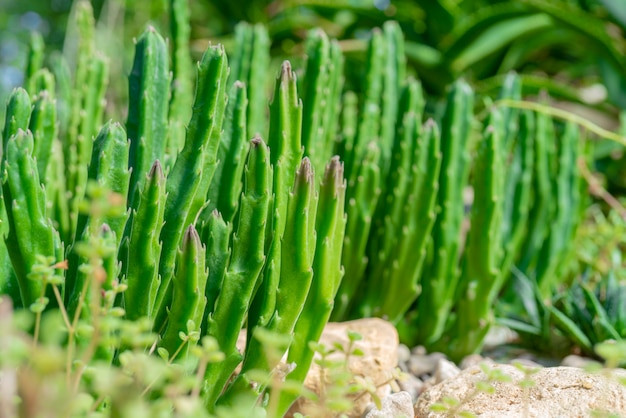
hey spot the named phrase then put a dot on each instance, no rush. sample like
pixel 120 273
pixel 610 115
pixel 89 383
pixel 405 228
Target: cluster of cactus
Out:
pixel 185 221
pixel 409 255
pixel 200 230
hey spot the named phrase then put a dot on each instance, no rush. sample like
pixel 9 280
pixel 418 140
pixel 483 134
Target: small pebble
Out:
pixel 473 360
pixel 396 405
pixel 445 370
pixel 404 353
pixel 419 350
pixel 498 336
pixel 420 365
pixel 576 361
pixel 412 385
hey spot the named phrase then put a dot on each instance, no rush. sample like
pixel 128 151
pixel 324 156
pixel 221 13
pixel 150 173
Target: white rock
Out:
pixel 445 370
pixel 556 392
pixel 396 405
pixel 380 357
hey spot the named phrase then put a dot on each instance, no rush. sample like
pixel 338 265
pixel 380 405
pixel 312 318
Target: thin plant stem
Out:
pixel 59 299
pixel 195 393
pixel 170 361
pixel 564 115
pixel 38 316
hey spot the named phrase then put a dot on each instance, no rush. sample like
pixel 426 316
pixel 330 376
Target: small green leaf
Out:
pixel 163 353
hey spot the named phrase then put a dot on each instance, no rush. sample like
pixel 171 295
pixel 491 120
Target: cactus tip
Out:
pixel 334 173
pixel 155 169
pixel 286 72
pixel 430 124
pixel 191 234
pixel 256 141
pixel 306 170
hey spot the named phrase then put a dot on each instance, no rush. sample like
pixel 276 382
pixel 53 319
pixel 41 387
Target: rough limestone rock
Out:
pixel 556 392
pixel 396 405
pixel 380 348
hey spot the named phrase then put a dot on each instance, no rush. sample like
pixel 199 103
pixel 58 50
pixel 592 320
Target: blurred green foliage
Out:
pixel 574 42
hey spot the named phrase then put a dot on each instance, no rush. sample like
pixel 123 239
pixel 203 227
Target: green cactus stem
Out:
pixel 240 279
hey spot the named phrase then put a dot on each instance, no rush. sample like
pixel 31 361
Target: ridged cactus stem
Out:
pixel 86 87
pixel 226 186
pixel 35 60
pixel 344 144
pixel 250 63
pixel 188 300
pixel 258 81
pixel 17 115
pixel 109 176
pixel 148 87
pixel 144 247
pixel 566 189
pixel 542 209
pixel 361 204
pixel 244 268
pixel 216 233
pixel 56 191
pixel 30 231
pixel 370 112
pixel 440 280
pixel 285 143
pixel 394 75
pixel 44 80
pixel 295 275
pixel 388 219
pixel 327 274
pixel 182 78
pixel 481 278
pixel 321 89
pixel 412 241
pixel 518 191
pixel 201 144
pixel 109 167
pixel 44 128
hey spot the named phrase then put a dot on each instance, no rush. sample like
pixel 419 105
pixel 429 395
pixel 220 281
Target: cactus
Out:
pixel 30 232
pixel 566 188
pixel 188 300
pixel 86 106
pixel 518 191
pixel 542 210
pixel 35 61
pixel 182 77
pixel 440 280
pixel 225 188
pixel 361 204
pixel 382 247
pixel 481 278
pixel 209 231
pixel 148 90
pixel 196 157
pixel 43 126
pixel 321 87
pixel 285 143
pixel 17 115
pixel 227 313
pixel 327 275
pixel 250 59
pixel 403 277
pixel 109 172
